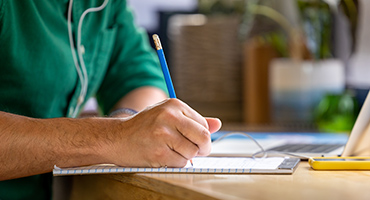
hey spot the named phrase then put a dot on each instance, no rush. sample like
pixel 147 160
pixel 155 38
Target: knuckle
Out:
pixel 205 151
pixel 160 136
pixel 166 113
pixel 161 131
pixel 205 136
pixel 204 143
pixel 159 154
pixel 174 101
pixel 177 104
pixel 205 123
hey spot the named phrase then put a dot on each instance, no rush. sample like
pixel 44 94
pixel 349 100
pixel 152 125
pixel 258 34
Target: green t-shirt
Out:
pixel 38 77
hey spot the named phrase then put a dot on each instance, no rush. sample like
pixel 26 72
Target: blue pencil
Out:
pixel 166 72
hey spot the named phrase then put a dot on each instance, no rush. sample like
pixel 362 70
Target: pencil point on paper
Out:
pixel 157 42
pixel 191 162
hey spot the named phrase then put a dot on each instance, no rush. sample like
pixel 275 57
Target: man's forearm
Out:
pixel 31 146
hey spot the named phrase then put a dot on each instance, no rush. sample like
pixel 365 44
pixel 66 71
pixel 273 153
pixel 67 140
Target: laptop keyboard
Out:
pixel 306 148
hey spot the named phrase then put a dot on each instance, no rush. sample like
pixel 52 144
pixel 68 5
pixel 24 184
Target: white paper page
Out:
pixel 235 163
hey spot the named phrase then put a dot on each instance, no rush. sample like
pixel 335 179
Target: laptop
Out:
pixel 301 145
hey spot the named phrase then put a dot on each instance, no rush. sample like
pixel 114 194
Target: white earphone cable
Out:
pixel 71 44
pixel 79 40
pixel 81 70
pixel 263 151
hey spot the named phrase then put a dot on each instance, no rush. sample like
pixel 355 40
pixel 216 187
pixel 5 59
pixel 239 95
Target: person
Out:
pixel 43 88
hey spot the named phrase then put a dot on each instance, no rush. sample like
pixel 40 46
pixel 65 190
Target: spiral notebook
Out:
pixel 207 165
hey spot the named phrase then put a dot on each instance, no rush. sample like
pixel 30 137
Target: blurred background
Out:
pixel 293 65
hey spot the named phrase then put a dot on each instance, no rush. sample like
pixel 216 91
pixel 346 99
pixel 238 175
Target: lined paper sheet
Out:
pixel 201 165
pixel 236 163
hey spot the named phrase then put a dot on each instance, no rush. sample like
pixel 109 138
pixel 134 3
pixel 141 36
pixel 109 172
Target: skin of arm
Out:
pixel 168 133
pixel 138 99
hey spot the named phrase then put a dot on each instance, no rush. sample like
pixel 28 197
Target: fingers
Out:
pixel 192 114
pixel 182 145
pixel 195 128
pixel 193 139
pixel 196 133
pixel 214 124
pixel 175 160
pixel 170 159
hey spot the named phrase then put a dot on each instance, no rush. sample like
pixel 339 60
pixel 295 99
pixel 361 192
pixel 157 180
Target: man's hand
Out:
pixel 167 134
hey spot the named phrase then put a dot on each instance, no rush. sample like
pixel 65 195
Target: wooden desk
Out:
pixel 305 183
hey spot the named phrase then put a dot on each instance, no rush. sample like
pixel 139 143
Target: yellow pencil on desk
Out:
pixel 166 72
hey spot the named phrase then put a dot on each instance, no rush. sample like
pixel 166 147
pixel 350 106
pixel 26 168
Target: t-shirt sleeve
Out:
pixel 133 62
pixel 1 11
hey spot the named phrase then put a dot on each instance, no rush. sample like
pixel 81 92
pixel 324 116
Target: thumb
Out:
pixel 214 124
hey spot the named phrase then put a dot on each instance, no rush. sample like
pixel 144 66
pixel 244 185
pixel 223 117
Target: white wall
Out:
pixel 146 10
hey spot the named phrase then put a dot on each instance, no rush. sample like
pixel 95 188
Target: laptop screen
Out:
pixel 359 141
